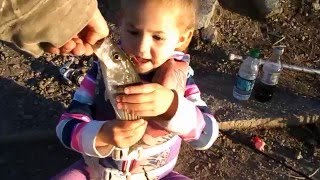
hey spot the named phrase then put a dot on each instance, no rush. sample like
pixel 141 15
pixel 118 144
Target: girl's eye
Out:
pixel 133 32
pixel 158 38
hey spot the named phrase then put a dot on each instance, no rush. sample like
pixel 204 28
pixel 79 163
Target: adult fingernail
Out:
pixel 119 106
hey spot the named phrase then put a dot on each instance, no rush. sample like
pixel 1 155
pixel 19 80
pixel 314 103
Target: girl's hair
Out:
pixel 186 19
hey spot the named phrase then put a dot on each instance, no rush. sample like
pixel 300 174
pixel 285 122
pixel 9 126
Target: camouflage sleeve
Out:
pixel 31 26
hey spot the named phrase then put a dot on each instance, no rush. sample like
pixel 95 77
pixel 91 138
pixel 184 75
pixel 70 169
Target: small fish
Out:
pixel 118 72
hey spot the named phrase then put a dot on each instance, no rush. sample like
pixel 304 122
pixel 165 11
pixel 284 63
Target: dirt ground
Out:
pixel 33 95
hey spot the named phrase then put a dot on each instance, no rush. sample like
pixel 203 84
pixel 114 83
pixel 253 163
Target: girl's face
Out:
pixel 149 32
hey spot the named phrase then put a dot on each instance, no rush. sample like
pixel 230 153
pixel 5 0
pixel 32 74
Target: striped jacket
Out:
pixel 81 122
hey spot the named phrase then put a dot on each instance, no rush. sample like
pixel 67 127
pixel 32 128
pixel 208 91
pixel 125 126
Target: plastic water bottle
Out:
pixel 246 76
pixel 270 78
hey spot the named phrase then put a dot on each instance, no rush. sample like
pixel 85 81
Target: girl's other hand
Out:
pixel 121 133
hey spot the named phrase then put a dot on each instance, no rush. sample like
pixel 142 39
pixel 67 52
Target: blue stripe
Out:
pixel 190 81
pixel 204 109
pixel 82 95
pixel 93 71
pixel 67 131
pixel 77 107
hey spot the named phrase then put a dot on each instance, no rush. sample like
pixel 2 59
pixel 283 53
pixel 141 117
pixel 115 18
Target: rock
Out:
pixel 268 8
pixel 209 34
pixel 316 5
pixel 206 11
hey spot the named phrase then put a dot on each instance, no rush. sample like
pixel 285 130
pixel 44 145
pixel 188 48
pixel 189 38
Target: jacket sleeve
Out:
pixel 76 128
pixel 34 24
pixel 193 121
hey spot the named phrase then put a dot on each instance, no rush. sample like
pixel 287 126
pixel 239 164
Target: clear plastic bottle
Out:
pixel 270 78
pixel 246 76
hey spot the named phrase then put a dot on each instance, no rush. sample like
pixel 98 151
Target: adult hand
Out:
pixel 146 100
pixel 172 75
pixel 121 133
pixel 82 42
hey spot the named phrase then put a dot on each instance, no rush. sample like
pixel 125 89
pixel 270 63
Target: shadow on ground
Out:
pixel 243 7
pixel 35 160
pixel 31 156
pixel 22 109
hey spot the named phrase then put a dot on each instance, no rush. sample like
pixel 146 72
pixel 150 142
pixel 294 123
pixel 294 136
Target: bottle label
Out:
pixel 270 78
pixel 244 84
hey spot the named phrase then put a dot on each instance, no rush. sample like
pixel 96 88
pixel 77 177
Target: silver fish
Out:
pixel 118 72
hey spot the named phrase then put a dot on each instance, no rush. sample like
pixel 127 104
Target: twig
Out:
pixel 279 41
pixel 311 52
pixel 315 172
pixel 299 177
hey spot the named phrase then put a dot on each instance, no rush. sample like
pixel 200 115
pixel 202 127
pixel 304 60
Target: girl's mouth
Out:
pixel 139 60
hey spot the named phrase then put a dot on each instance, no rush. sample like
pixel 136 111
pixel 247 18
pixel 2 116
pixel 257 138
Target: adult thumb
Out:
pixel 97 28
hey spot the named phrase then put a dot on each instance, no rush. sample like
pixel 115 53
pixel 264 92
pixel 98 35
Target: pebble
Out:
pixel 196 167
pixel 51 90
pixel 41 86
pixel 298 155
pixel 2 57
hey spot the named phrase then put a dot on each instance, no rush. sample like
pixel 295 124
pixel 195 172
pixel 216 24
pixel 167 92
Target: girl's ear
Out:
pixel 184 40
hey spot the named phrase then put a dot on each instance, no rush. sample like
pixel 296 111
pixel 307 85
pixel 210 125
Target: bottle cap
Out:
pixel 255 53
pixel 278 50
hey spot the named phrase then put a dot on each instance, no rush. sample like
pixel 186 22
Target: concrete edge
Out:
pixel 41 135
pixel 270 122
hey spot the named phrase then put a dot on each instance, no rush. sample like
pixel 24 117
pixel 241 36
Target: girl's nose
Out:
pixel 143 47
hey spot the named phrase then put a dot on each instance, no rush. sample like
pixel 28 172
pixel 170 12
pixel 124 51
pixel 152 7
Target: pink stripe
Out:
pixel 196 132
pixel 88 86
pixel 191 89
pixel 75 116
pixel 75 139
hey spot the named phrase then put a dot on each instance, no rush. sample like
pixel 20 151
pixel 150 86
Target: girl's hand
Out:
pixel 121 133
pixel 146 100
